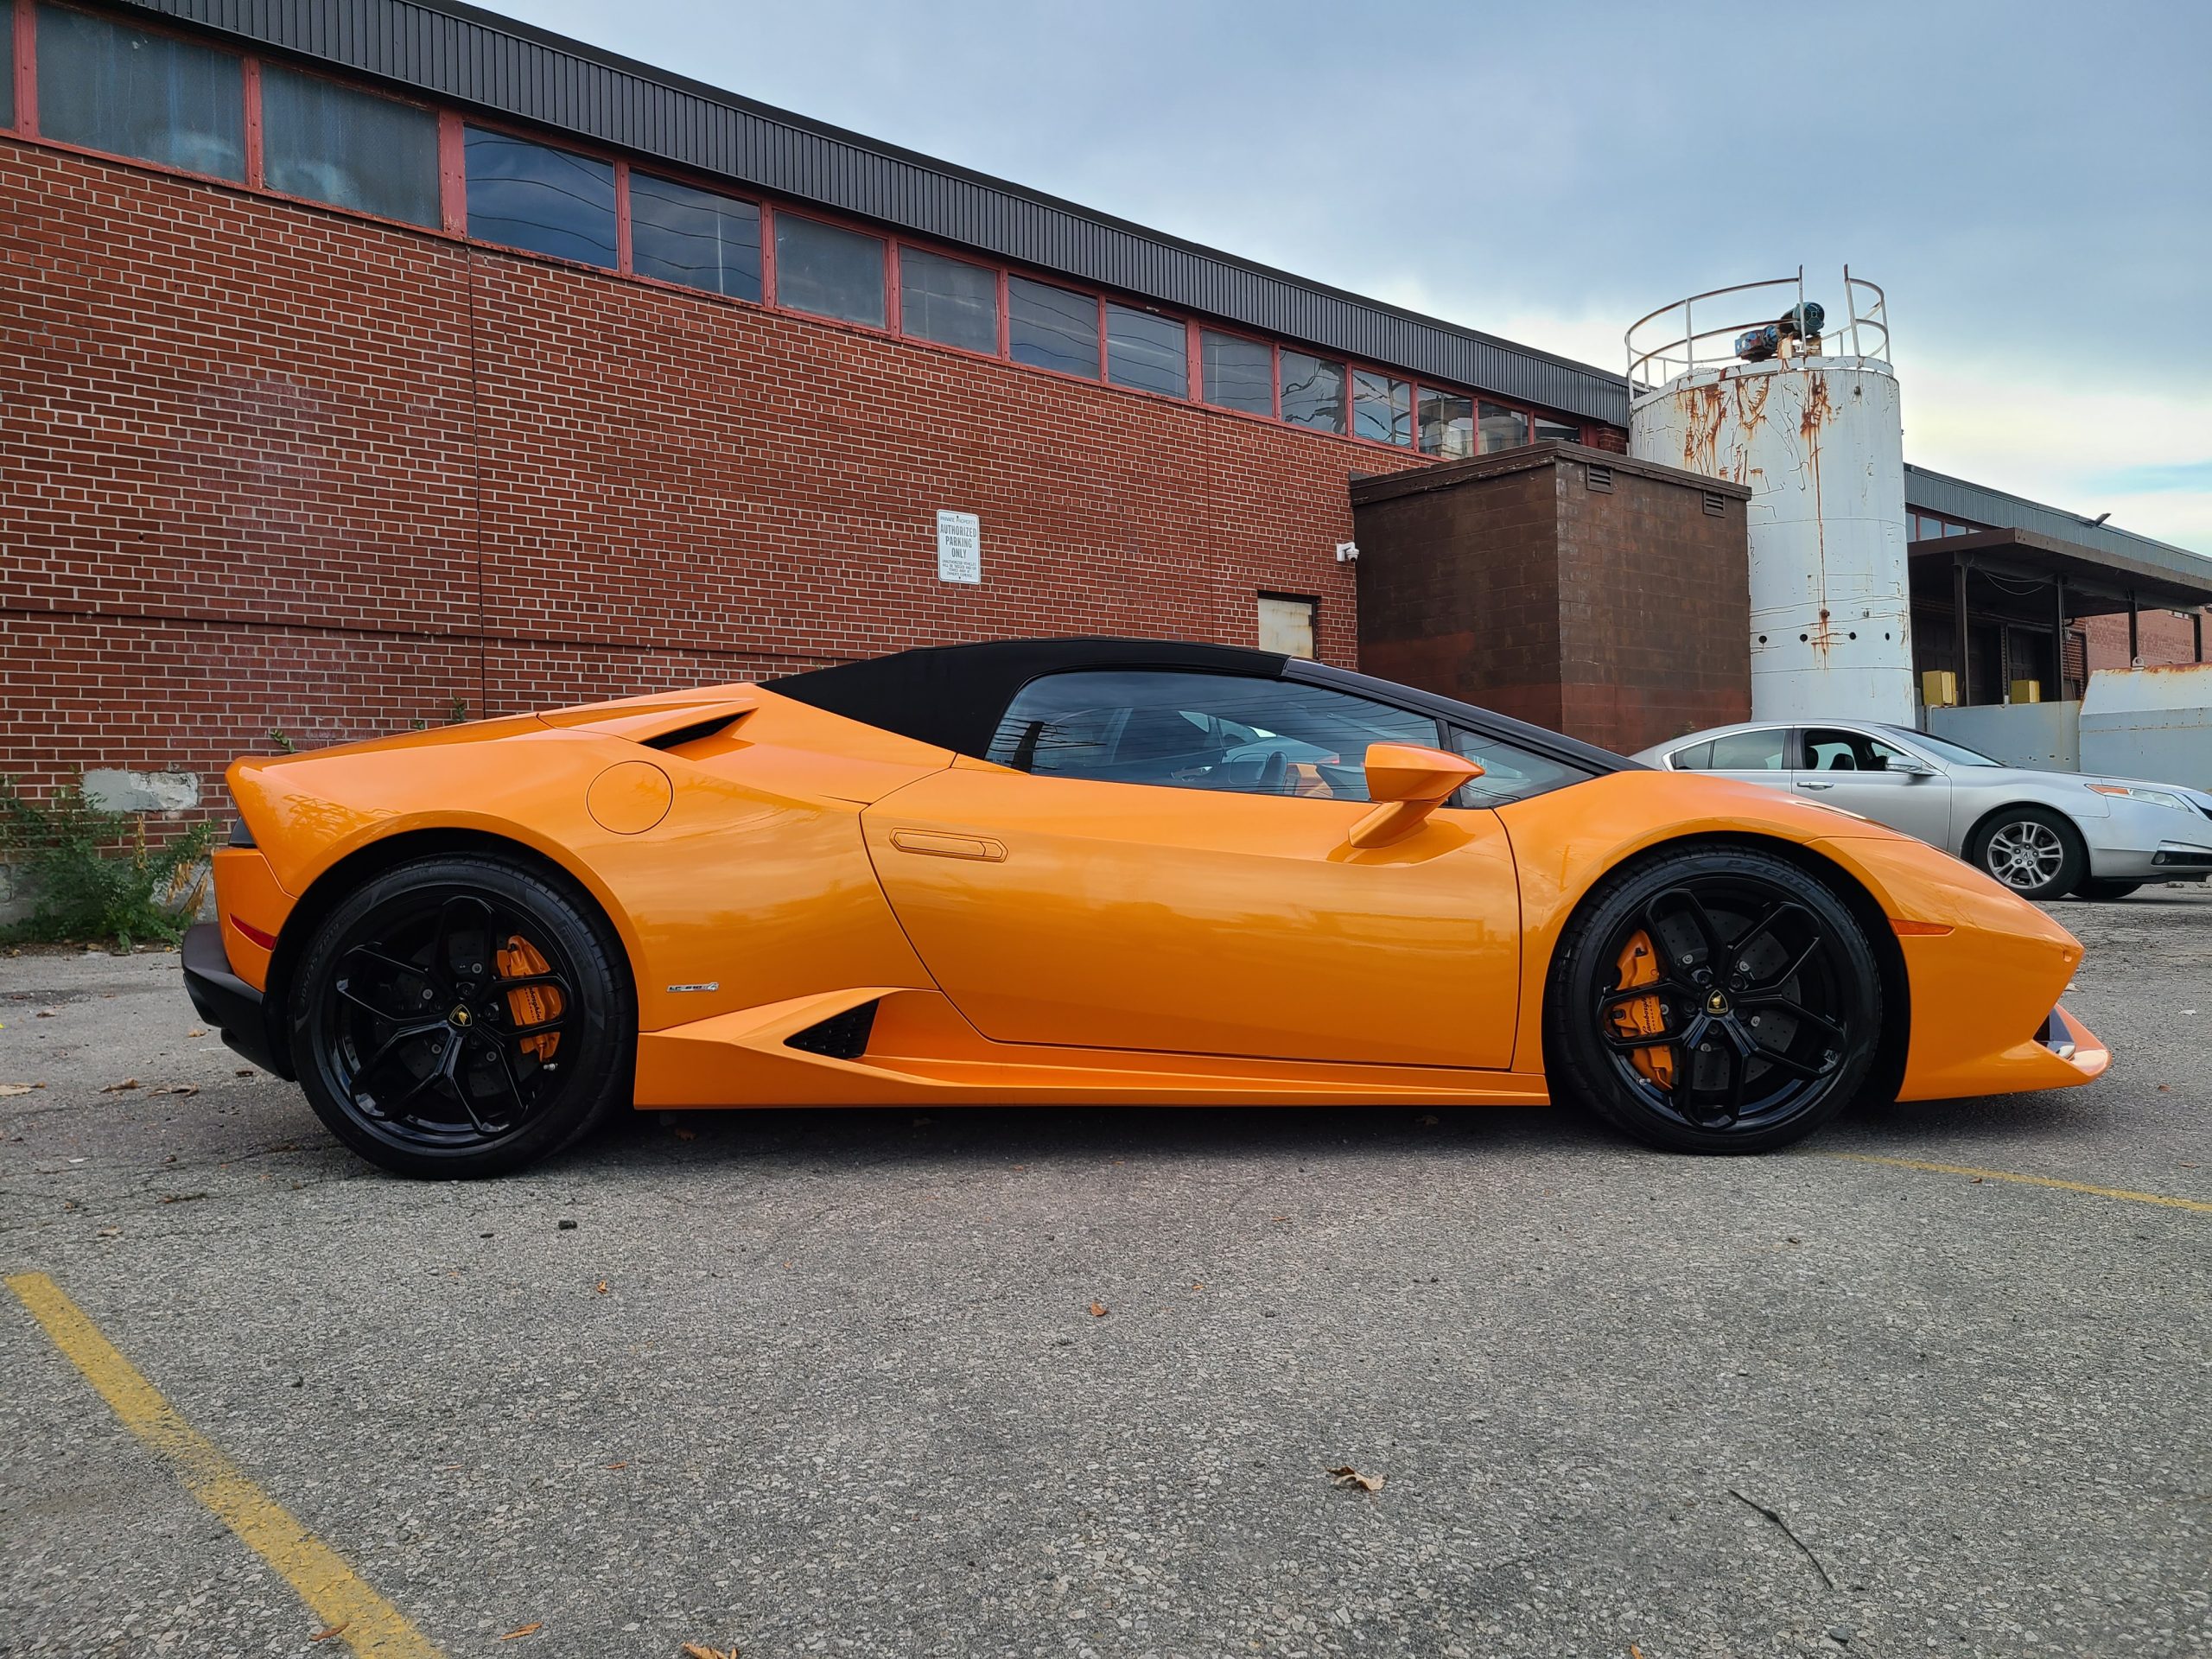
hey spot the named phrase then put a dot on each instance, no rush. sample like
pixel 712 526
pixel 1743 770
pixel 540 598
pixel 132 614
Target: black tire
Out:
pixel 462 1016
pixel 2105 892
pixel 1760 1047
pixel 2034 851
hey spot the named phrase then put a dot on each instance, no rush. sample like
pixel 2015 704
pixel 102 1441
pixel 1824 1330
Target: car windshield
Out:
pixel 1943 749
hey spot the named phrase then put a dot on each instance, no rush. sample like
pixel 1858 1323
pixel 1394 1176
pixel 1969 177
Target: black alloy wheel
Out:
pixel 462 1016
pixel 1717 1000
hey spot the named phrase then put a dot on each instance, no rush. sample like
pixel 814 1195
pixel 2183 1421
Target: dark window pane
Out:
pixel 8 63
pixel 828 271
pixel 1551 431
pixel 1149 353
pixel 1238 373
pixel 1382 409
pixel 694 237
pixel 533 196
pixel 1502 428
pixel 1447 424
pixel 108 87
pixel 1201 731
pixel 1053 327
pixel 948 301
pixel 1312 391
pixel 350 149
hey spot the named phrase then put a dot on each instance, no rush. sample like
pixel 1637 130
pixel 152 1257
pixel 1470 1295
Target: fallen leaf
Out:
pixel 16 1088
pixel 693 1650
pixel 197 1031
pixel 177 1089
pixel 523 1629
pixel 181 1198
pixel 111 1232
pixel 625 1464
pixel 602 1287
pixel 2165 1088
pixel 115 1087
pixel 243 1072
pixel 1634 1652
pixel 687 1135
pixel 1198 1284
pixel 1427 1120
pixel 1345 1475
pixel 1098 1310
pixel 1976 1181
pixel 46 1013
pixel 325 1636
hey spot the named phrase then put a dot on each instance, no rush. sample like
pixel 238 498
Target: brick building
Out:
pixel 380 362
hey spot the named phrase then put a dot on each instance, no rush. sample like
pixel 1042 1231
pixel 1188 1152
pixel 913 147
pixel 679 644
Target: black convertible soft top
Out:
pixel 954 696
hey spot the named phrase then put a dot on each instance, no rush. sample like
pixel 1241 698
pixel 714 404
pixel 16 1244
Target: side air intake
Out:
pixel 692 734
pixel 841 1037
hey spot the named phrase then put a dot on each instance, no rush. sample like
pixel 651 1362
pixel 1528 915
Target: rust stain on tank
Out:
pixel 1809 424
pixel 1708 410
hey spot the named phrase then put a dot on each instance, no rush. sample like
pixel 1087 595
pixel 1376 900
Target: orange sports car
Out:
pixel 1060 871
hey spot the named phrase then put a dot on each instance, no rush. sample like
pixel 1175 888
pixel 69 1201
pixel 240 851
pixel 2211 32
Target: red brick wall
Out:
pixel 272 467
pixel 2161 637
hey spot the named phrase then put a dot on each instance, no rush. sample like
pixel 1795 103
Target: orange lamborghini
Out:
pixel 1060 871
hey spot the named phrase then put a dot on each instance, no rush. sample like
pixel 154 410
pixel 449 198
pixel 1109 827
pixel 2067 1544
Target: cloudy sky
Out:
pixel 2031 182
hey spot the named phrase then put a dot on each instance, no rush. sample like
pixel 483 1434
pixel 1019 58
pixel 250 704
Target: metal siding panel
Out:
pixel 1955 497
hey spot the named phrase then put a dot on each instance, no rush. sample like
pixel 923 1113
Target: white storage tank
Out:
pixel 1758 385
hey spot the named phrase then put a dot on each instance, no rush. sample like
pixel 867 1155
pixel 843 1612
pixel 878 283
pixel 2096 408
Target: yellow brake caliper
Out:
pixel 531 1005
pixel 1644 1017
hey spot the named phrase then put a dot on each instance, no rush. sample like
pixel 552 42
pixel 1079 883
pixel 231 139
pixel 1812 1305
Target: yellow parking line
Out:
pixel 333 1591
pixel 2026 1180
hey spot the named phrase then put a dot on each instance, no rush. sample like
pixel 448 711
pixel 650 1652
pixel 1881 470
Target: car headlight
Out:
pixel 2150 797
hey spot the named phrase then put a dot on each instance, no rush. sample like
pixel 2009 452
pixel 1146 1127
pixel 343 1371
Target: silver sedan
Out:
pixel 2043 834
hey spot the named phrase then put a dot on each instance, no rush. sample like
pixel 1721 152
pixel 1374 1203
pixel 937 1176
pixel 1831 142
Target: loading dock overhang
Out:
pixel 2024 582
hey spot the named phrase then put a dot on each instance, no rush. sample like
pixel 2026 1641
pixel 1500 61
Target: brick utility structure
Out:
pixel 1563 585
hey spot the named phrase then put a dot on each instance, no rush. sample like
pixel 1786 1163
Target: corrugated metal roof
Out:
pixel 1955 497
pixel 474 57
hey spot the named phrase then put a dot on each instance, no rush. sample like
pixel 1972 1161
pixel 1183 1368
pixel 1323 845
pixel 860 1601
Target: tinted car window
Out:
pixel 1737 752
pixel 1186 730
pixel 1841 751
pixel 1509 774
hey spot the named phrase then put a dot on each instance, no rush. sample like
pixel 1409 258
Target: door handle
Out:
pixel 933 844
pixel 1808 783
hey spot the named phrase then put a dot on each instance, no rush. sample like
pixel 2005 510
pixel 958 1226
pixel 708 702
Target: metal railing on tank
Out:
pixel 1753 323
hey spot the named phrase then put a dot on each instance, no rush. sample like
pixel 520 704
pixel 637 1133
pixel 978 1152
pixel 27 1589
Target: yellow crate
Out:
pixel 2027 690
pixel 1939 688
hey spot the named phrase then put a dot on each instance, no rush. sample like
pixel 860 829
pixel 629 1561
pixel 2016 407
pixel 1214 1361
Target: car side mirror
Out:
pixel 1407 781
pixel 1905 766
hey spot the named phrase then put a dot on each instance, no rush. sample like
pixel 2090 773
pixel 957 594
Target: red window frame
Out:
pixel 452 195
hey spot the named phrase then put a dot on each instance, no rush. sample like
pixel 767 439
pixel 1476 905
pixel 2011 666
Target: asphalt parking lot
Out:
pixel 994 1383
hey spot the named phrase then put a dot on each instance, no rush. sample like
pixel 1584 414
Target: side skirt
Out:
pixel 920 1049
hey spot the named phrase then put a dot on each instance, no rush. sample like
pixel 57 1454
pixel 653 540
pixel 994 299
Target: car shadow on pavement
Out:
pixel 1002 1135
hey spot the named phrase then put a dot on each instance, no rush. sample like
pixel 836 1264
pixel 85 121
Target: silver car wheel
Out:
pixel 2024 855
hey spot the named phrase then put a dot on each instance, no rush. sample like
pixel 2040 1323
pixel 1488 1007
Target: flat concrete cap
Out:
pixel 1448 474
